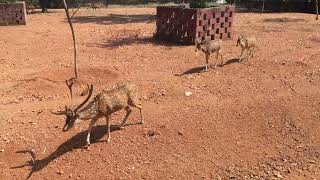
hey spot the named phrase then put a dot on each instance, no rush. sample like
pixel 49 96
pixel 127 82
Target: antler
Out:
pixel 69 84
pixel 90 88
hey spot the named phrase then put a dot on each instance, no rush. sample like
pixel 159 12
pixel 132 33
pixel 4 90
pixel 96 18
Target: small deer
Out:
pixel 30 9
pixel 209 47
pixel 94 6
pixel 246 43
pixel 103 105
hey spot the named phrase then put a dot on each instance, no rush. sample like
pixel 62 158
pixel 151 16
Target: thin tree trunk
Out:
pixel 74 13
pixel 262 10
pixel 74 39
pixel 317 9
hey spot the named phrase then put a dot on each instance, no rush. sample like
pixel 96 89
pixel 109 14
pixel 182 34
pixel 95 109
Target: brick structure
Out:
pixel 184 25
pixel 12 13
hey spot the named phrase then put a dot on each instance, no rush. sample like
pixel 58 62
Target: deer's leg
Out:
pixel 250 53
pixel 240 58
pixel 215 62
pixel 221 57
pixel 207 61
pixel 126 117
pixel 253 50
pixel 141 116
pixel 93 121
pixel 108 119
pixel 137 105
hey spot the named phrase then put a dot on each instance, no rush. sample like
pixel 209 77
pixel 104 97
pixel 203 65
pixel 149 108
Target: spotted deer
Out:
pixel 209 47
pixel 103 105
pixel 247 43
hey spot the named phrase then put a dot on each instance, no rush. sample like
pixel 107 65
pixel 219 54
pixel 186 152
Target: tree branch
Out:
pixel 74 38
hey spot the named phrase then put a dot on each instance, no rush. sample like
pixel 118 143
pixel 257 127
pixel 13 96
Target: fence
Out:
pixel 187 24
pixel 12 14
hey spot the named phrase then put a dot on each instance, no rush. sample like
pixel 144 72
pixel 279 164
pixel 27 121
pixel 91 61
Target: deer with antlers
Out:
pixel 103 105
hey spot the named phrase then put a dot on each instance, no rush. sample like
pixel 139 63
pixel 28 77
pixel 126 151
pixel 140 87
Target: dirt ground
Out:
pixel 258 119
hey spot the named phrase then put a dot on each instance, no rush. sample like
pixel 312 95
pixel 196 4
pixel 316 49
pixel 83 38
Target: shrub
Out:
pixel 201 3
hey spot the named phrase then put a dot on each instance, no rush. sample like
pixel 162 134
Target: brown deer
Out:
pixel 103 105
pixel 246 43
pixel 209 47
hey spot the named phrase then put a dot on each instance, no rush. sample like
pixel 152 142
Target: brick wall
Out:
pixel 184 25
pixel 12 13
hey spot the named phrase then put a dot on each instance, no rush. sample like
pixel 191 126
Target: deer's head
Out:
pixel 71 114
pixel 239 41
pixel 198 44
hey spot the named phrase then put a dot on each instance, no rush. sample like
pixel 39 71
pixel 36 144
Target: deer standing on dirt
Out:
pixel 247 43
pixel 209 47
pixel 103 105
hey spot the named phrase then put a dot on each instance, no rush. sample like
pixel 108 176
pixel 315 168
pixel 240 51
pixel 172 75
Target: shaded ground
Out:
pixel 249 120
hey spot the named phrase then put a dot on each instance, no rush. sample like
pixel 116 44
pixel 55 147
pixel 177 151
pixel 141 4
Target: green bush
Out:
pixel 201 3
pixel 7 1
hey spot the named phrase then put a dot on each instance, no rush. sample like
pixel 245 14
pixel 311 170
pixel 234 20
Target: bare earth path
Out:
pixel 258 119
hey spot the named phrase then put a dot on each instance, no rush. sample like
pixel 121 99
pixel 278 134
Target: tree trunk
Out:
pixel 44 5
pixel 262 10
pixel 317 10
pixel 73 37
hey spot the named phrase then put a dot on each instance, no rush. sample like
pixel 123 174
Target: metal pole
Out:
pixel 317 9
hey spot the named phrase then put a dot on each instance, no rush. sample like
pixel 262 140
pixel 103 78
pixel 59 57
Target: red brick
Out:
pixel 13 13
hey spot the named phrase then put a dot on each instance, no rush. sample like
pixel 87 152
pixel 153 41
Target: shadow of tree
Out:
pixel 76 142
pixel 283 20
pixel 115 19
pixel 134 39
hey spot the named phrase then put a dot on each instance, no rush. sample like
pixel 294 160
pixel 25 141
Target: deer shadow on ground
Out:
pixel 76 142
pixel 230 61
pixel 115 19
pixel 201 69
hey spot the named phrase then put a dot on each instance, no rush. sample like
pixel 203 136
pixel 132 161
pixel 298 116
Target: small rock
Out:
pixel 187 93
pixel 2 150
pixel 60 172
pixel 180 133
pixel 312 161
pixel 151 133
pixel 278 175
pixel 70 175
